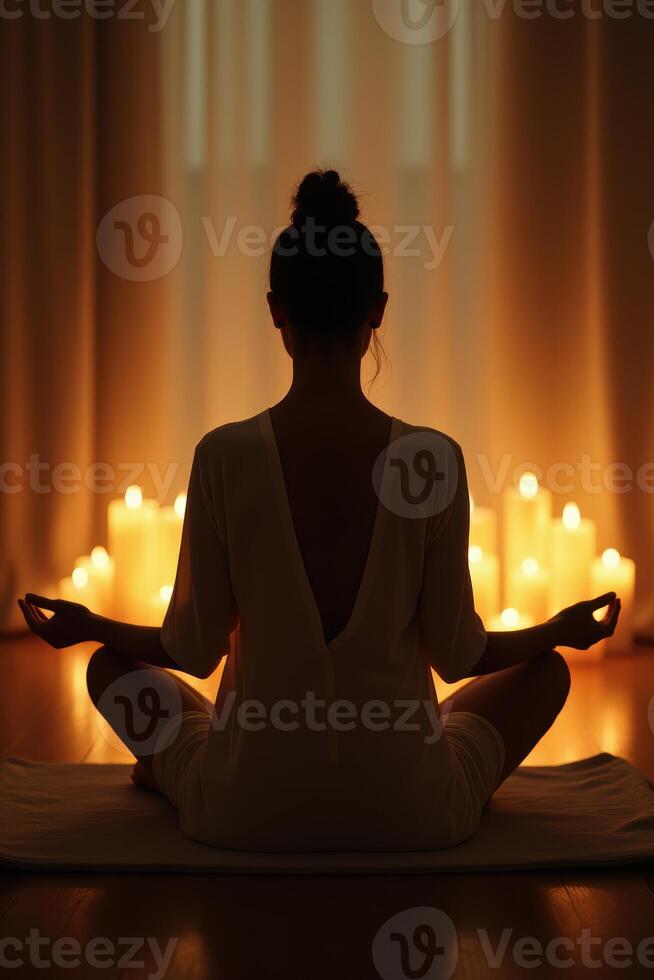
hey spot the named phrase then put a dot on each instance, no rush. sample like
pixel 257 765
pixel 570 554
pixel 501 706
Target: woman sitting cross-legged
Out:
pixel 325 555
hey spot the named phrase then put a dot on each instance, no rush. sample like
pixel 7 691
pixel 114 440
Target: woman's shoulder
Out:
pixel 433 435
pixel 231 437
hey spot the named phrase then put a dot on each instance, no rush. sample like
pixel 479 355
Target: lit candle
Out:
pixel 157 606
pixel 527 517
pixel 573 552
pixel 485 576
pixel 78 588
pixel 169 538
pixel 510 619
pixel 528 588
pixel 613 573
pixel 483 528
pixel 100 570
pixel 132 534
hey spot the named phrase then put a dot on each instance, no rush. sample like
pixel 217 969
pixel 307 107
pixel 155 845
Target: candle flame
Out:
pixel 571 517
pixel 611 558
pixel 80 577
pixel 165 593
pixel 180 504
pixel 133 497
pixel 510 617
pixel 530 566
pixel 100 557
pixel 528 485
pixel 475 554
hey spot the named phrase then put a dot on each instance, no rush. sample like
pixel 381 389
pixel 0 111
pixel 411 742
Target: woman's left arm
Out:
pixel 72 623
pixel 574 627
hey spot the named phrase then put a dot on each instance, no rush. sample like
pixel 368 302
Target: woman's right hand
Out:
pixel 69 624
pixel 577 627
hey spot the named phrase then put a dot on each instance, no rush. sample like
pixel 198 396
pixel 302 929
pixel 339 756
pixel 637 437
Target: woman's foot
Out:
pixel 143 778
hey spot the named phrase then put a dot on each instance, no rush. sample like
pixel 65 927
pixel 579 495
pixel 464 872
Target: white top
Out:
pixel 280 773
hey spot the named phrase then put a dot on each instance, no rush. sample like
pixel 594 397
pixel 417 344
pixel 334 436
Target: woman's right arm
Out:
pixel 572 627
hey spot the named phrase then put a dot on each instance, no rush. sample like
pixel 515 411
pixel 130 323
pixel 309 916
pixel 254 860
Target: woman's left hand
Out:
pixel 69 624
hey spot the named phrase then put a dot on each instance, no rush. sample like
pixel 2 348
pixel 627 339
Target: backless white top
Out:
pixel 315 745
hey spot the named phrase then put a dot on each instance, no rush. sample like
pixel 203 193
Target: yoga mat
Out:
pixel 597 812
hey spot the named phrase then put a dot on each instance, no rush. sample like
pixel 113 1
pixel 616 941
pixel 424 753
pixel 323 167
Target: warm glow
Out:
pixel 133 497
pixel 180 504
pixel 611 558
pixel 100 557
pixel 472 504
pixel 510 617
pixel 571 517
pixel 80 577
pixel 165 592
pixel 528 485
pixel 530 567
pixel 475 554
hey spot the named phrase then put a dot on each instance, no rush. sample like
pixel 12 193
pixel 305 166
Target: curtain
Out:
pixel 502 162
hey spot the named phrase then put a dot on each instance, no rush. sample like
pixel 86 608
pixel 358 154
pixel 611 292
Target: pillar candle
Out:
pixel 613 573
pixel 485 576
pixel 132 534
pixel 573 552
pixel 528 589
pixel 169 538
pixel 527 515
pixel 78 588
pixel 156 608
pixel 100 570
pixel 509 620
pixel 483 529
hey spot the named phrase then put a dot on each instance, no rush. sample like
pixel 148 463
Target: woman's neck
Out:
pixel 327 378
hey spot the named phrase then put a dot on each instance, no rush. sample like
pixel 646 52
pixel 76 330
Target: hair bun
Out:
pixel 323 197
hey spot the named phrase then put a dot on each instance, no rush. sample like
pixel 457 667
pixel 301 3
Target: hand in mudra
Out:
pixel 578 627
pixel 68 625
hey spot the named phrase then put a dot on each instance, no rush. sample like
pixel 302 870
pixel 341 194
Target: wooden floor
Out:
pixel 294 928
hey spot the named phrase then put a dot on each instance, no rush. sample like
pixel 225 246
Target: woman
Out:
pixel 309 538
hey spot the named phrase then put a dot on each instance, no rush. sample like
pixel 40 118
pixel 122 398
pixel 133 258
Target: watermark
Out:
pixel 416 943
pixel 99 953
pixel 141 239
pixel 44 477
pixel 154 12
pixel 316 714
pixel 564 477
pixel 416 476
pixel 426 21
pixel 564 952
pixel 141 712
pixel 416 21
pixel 422 943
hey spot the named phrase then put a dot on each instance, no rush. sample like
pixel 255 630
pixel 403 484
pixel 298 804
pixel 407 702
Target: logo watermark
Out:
pixel 141 711
pixel 154 12
pixel 422 943
pixel 416 476
pixel 141 238
pixel 426 21
pixel 99 953
pixel 43 477
pixel 416 944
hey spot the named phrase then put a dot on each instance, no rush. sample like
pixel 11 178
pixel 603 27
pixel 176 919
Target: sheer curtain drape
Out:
pixel 502 164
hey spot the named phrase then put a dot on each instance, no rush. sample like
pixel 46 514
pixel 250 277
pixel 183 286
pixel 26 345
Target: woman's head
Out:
pixel 326 269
